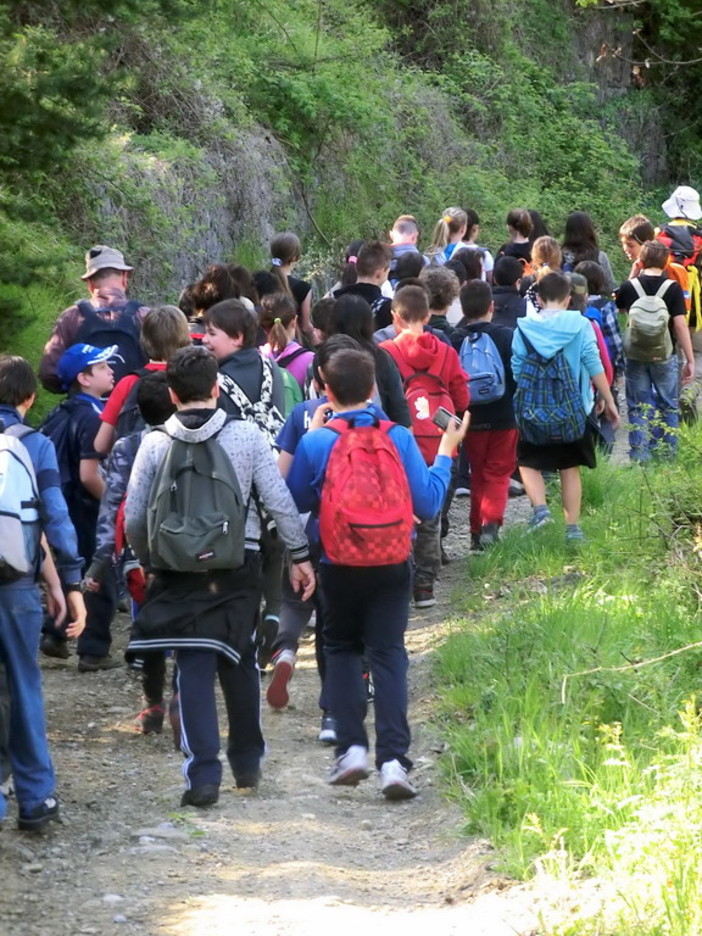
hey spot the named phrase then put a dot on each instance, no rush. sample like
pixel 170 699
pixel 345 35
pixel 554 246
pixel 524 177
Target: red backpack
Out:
pixel 365 513
pixel 425 392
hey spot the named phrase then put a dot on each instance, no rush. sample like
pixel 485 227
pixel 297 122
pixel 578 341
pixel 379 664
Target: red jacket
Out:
pixel 418 353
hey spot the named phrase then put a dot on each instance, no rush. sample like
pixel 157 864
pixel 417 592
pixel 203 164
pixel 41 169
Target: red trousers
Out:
pixel 492 456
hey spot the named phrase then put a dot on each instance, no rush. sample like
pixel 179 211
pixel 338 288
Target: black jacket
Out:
pixel 509 306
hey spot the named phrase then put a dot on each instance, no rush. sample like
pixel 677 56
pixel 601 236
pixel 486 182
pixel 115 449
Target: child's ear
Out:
pixel 83 379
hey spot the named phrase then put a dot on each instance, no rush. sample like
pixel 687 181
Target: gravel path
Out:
pixel 293 858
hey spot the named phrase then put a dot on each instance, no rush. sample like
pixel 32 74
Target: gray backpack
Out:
pixel 196 515
pixel 647 339
pixel 19 506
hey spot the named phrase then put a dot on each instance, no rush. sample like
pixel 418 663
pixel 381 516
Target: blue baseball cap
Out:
pixel 79 356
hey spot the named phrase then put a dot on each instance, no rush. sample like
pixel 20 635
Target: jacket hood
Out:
pixel 419 350
pixel 176 425
pixel 550 332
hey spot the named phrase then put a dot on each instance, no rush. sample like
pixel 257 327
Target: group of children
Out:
pixel 263 458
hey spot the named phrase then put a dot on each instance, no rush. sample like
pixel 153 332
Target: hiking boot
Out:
pixel 150 719
pixel 283 668
pixel 202 796
pixel 174 719
pixel 52 645
pixel 266 634
pixel 93 664
pixel 489 535
pixel 35 819
pixel 327 731
pixel 350 768
pixel 539 519
pixel 394 782
pixel 424 597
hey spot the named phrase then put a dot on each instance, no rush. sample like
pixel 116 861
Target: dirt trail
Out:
pixel 296 857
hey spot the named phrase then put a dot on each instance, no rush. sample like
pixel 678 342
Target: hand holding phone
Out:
pixel 443 418
pixel 454 432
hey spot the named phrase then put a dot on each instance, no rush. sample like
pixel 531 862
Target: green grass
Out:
pixel 556 753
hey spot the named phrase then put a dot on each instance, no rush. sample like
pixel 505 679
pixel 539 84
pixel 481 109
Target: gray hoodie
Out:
pixel 254 464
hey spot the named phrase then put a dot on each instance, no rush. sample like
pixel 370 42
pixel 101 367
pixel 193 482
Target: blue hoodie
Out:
pixel 553 330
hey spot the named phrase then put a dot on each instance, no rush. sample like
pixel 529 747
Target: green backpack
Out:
pixel 293 391
pixel 196 515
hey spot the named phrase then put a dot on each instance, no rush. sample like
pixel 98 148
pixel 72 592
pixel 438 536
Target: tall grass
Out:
pixel 567 745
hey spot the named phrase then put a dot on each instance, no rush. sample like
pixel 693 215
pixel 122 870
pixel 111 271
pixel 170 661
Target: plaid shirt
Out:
pixel 613 336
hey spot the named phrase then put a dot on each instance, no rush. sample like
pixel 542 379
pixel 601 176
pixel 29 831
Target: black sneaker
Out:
pixel 40 816
pixel 475 544
pixel 93 664
pixel 52 645
pixel 247 780
pixel 150 719
pixel 201 797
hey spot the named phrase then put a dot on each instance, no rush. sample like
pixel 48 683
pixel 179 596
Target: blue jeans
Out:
pixel 367 608
pixel 652 392
pixel 20 626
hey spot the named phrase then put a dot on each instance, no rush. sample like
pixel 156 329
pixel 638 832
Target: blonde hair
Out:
pixel 546 256
pixel 163 331
pixel 451 222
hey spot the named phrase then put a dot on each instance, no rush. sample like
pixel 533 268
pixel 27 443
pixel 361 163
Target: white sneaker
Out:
pixel 462 492
pixel 350 768
pixel 283 667
pixel 394 782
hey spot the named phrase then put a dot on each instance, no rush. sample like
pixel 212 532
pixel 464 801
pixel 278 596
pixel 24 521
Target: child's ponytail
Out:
pixel 451 223
pixel 278 312
pixel 285 249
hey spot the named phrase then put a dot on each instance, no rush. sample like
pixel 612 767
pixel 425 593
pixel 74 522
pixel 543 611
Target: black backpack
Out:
pixel 103 332
pixel 130 419
pixel 58 427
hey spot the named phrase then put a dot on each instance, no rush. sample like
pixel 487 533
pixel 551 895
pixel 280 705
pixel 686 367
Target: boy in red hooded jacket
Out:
pixel 432 376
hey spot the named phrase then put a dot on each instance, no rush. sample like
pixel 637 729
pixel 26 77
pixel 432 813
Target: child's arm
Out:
pixel 90 477
pixel 55 599
pixel 116 479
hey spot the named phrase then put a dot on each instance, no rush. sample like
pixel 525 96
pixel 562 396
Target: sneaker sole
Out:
pixel 350 777
pixel 398 791
pixel 425 603
pixel 277 692
pixel 327 737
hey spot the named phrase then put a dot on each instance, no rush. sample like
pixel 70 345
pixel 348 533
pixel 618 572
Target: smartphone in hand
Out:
pixel 443 418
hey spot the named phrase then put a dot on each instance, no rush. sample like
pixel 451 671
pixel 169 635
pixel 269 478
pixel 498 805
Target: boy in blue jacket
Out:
pixel 367 607
pixel 21 611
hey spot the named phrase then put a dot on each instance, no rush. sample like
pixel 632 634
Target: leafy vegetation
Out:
pixel 188 132
pixel 572 722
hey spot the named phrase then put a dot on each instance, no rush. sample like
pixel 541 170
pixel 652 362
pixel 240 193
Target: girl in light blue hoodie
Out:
pixel 556 328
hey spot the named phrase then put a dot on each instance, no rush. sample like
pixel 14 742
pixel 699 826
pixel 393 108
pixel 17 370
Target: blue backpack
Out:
pixel 548 406
pixel 481 360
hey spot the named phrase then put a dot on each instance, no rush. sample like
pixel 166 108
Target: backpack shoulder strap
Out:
pixel 638 288
pixel 527 344
pixel 19 430
pixel 234 391
pixel 664 287
pixel 286 360
pixel 86 307
pixel 439 361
